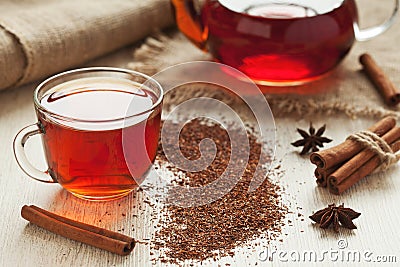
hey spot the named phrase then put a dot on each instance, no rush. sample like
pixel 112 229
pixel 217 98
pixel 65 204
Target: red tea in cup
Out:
pixel 82 122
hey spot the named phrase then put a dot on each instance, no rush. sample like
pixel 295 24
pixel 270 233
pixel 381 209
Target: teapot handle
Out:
pixel 189 22
pixel 369 33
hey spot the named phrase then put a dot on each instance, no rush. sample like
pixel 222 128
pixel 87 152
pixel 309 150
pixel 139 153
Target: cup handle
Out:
pixel 19 152
pixel 369 33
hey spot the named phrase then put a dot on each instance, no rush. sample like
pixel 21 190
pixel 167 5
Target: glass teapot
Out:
pixel 275 42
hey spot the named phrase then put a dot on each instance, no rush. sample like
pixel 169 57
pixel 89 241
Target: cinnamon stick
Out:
pixel 360 173
pixel 361 158
pixel 382 83
pixel 78 231
pixel 336 155
pixel 322 175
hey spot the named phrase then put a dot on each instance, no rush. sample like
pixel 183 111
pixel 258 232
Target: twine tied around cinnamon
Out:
pixel 342 166
pixel 380 147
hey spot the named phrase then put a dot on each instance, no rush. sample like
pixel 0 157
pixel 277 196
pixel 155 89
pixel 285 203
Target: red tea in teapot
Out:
pixel 279 42
pixel 273 41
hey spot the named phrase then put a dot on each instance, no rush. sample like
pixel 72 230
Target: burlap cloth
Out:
pixel 42 37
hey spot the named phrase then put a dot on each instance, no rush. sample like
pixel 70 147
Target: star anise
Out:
pixel 311 140
pixel 335 216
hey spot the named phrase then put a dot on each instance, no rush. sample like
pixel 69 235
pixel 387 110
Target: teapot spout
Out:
pixel 188 20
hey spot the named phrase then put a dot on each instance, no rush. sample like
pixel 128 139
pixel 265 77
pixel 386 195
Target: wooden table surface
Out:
pixel 23 244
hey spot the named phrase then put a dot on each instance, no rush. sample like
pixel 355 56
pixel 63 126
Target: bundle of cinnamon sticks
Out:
pixel 340 167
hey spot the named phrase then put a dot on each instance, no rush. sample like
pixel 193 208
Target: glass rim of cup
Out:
pixel 43 84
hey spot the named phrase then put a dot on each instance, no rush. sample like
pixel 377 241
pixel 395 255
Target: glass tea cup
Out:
pixel 99 128
pixel 275 42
